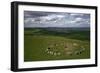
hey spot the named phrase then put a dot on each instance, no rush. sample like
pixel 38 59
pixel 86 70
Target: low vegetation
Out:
pixel 42 44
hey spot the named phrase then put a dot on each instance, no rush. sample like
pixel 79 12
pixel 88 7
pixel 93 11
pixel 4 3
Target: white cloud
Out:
pixel 72 22
pixel 45 19
pixel 57 20
pixel 76 14
pixel 78 19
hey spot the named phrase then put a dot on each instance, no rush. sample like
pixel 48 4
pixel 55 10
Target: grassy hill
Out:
pixel 42 44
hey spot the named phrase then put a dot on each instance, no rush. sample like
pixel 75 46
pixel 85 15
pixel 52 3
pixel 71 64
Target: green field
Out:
pixel 42 44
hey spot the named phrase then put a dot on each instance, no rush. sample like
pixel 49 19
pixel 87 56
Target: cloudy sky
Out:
pixel 55 19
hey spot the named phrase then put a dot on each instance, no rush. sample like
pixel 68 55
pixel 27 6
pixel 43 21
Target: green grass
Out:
pixel 37 41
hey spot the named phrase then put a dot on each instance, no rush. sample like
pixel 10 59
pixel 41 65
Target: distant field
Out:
pixel 42 44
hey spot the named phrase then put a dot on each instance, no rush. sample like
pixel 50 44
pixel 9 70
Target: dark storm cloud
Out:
pixel 55 19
